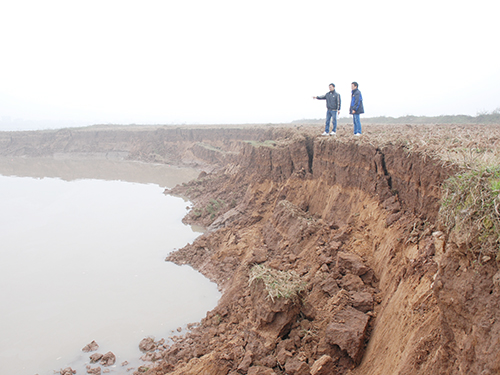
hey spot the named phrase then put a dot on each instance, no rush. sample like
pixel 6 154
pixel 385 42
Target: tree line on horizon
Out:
pixel 481 118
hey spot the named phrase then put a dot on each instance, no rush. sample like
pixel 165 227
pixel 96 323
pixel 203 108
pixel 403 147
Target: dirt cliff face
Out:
pixel 199 147
pixel 357 224
pixel 379 291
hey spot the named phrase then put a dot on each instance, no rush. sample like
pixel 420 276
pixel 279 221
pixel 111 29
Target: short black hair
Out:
pixel 332 84
pixel 355 84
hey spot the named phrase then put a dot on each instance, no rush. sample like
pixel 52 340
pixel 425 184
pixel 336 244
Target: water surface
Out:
pixel 82 259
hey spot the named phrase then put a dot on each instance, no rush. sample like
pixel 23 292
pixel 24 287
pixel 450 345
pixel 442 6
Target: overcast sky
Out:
pixel 219 62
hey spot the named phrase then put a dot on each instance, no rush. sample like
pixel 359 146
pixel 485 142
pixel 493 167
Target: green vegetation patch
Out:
pixel 470 208
pixel 212 209
pixel 278 284
pixel 214 206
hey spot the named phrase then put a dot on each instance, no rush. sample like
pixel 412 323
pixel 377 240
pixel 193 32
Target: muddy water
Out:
pixel 82 258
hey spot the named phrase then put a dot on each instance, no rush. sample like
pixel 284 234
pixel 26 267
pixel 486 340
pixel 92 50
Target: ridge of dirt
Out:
pixel 407 303
pixel 385 292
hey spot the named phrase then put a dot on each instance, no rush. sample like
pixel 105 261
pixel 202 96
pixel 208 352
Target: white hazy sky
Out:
pixel 218 61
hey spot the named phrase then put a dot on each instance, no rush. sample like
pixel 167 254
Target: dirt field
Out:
pixel 330 252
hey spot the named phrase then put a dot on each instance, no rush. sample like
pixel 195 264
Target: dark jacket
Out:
pixel 332 100
pixel 356 102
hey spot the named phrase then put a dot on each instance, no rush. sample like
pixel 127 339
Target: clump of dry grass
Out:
pixel 278 284
pixel 470 208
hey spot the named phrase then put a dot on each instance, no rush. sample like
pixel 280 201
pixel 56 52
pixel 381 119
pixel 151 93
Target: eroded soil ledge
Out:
pixel 384 293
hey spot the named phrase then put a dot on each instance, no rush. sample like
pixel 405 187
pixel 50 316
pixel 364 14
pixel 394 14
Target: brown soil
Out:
pixel 383 290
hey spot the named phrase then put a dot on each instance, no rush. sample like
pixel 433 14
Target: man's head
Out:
pixel 331 86
pixel 354 85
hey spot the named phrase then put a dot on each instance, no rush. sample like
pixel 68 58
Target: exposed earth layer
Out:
pixel 343 230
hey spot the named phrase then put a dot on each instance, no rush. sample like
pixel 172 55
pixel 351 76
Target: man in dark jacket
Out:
pixel 356 107
pixel 333 108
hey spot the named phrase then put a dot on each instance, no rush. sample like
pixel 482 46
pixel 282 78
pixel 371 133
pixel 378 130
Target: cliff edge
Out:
pixel 328 251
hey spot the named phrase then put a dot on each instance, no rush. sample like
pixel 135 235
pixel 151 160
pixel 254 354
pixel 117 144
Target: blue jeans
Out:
pixel 357 123
pixel 331 115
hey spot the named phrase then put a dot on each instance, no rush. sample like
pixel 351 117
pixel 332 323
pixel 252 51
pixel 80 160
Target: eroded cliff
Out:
pixel 355 223
pixel 350 223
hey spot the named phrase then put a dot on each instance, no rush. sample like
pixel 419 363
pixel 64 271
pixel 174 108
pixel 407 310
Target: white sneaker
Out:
pixel 357 134
pixel 324 133
pixel 332 133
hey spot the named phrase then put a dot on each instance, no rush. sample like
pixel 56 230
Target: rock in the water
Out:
pixel 108 359
pixel 96 357
pixel 91 347
pixel 94 371
pixel 147 344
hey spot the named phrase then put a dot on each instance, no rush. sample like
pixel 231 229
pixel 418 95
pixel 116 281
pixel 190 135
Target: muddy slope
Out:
pixel 382 292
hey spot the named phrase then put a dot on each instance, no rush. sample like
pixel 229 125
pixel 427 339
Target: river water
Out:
pixel 82 249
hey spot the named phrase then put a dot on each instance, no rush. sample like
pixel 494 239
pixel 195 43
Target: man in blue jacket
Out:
pixel 356 107
pixel 333 108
